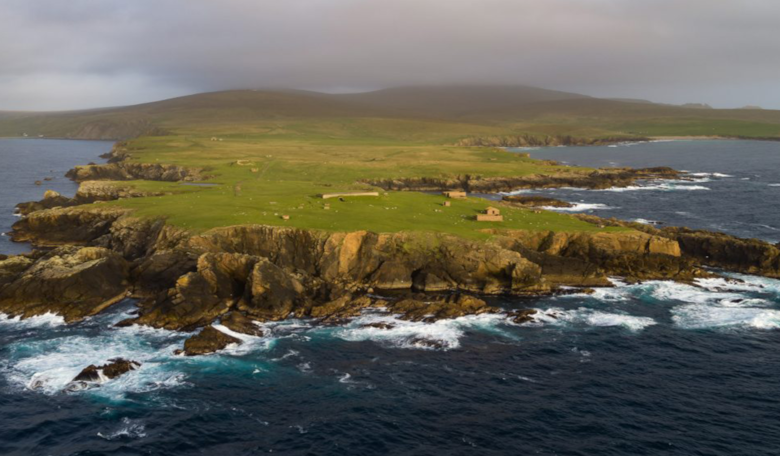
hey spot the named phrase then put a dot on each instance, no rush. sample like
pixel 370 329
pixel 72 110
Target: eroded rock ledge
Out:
pixel 599 179
pixel 543 141
pixel 121 168
pixel 89 192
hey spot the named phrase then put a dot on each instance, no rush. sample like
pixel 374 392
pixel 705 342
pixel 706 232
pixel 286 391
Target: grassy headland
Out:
pixel 277 151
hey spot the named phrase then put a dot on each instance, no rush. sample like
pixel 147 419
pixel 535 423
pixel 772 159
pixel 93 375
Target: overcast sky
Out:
pixel 57 54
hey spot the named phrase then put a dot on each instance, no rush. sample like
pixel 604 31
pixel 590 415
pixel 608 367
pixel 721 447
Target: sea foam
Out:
pixel 579 207
pixel 445 334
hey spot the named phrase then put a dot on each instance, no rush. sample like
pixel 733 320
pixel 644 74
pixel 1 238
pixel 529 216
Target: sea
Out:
pixel 657 368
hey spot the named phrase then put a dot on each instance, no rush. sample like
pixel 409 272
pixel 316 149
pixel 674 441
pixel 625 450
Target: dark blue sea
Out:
pixel 652 369
pixel 23 162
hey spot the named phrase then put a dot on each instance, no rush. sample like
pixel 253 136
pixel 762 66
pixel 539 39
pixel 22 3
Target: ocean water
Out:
pixel 25 161
pixel 733 186
pixel 652 369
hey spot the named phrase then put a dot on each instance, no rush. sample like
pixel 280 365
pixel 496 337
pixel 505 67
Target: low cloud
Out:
pixel 87 53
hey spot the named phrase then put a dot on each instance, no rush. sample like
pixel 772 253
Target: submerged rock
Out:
pixel 431 344
pixel 209 340
pixel 379 325
pixel 522 315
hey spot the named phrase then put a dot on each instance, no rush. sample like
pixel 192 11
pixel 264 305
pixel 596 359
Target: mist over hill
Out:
pixel 510 109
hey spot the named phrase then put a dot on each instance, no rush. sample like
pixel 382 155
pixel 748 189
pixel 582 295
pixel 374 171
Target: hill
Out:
pixel 434 114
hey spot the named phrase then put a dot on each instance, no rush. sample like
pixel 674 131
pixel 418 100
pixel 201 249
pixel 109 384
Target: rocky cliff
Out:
pixel 243 273
pixel 719 250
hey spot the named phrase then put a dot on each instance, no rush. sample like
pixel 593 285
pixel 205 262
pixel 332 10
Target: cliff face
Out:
pixel 69 281
pixel 188 281
pixel 719 250
pixel 243 273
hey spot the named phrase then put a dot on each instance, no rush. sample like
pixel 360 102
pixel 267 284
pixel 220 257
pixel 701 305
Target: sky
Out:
pixel 75 54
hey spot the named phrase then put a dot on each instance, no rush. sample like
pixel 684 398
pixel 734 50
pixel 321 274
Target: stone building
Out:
pixel 491 215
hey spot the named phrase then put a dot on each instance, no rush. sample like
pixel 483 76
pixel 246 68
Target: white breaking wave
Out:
pixel 698 316
pixel 47 319
pixel 516 192
pixel 128 429
pixel 774 185
pixel 50 365
pixel 721 175
pixel 442 334
pixel 248 343
pixel 578 207
pixel 589 317
pixel 663 186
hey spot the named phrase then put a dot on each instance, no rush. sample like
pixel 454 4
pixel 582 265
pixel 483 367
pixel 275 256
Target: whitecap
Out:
pixel 49 365
pixel 578 207
pixel 516 192
pixel 129 429
pixel 720 175
pixel 698 316
pixel 590 317
pixel 673 291
pixel 47 319
pixel 774 185
pixel 663 186
pixel 248 343
pixel 444 334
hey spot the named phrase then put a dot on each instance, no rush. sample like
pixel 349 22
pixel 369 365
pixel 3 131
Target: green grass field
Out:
pixel 282 176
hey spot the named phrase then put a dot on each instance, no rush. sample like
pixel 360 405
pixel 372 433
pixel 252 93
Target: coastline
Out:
pixel 240 274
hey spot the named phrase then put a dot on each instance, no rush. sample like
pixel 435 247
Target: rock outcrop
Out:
pixel 93 376
pixel 113 369
pixel 209 340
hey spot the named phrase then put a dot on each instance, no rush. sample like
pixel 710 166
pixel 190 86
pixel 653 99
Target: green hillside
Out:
pixel 448 113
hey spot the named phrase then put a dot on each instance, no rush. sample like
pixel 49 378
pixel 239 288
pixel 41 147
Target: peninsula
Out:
pixel 212 209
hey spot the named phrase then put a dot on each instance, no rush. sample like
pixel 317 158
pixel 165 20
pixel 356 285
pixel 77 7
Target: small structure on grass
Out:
pixel 491 215
pixel 285 217
pixel 446 204
pixel 456 195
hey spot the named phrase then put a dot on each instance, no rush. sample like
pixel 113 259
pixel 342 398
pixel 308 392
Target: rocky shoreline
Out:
pixel 90 257
pixel 597 180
